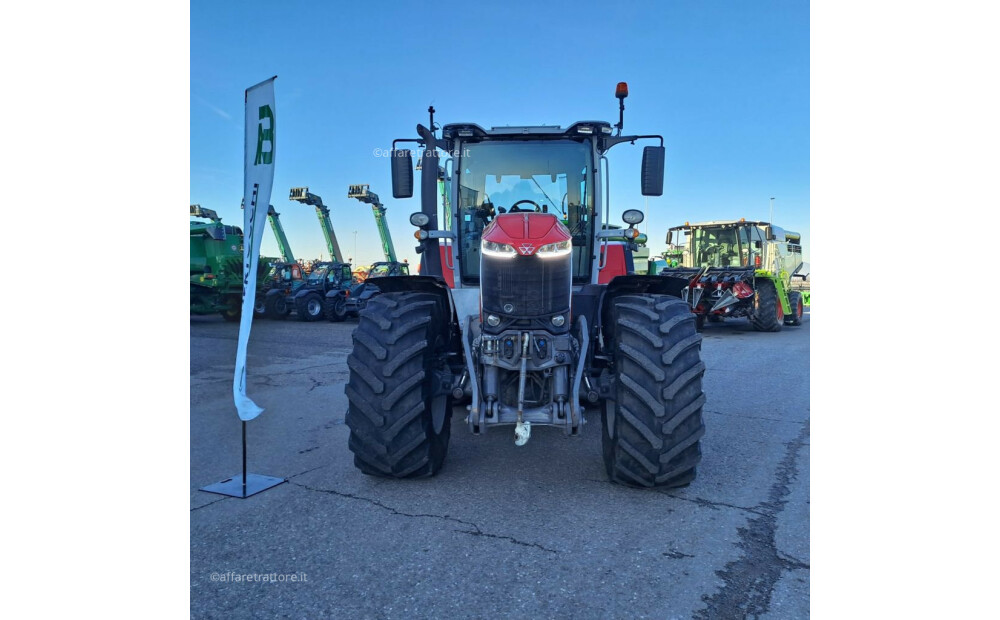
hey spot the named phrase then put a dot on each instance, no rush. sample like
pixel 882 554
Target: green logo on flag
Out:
pixel 265 135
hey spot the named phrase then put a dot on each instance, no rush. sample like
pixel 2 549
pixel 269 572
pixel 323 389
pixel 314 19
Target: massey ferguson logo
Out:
pixel 526 249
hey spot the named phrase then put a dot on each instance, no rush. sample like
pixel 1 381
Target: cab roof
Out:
pixel 779 232
pixel 579 128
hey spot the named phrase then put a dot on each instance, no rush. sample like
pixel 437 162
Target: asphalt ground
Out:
pixel 536 531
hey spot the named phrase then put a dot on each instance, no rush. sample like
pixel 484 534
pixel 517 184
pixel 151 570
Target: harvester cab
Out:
pixel 739 268
pixel 529 332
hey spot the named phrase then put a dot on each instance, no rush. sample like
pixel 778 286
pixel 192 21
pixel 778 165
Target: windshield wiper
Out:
pixel 533 180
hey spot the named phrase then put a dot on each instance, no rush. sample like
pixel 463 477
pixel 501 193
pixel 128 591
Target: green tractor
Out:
pixel 739 268
pixel 216 266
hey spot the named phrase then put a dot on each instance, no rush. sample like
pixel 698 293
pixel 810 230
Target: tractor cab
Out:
pixel 287 273
pixel 329 275
pixel 388 269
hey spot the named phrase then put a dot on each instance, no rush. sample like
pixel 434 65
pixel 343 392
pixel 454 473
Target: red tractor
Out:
pixel 530 330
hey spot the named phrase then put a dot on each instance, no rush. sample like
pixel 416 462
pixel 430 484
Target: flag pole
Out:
pixel 258 175
pixel 244 458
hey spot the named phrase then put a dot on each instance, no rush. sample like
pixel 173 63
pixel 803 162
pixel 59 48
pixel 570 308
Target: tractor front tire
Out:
pixel 336 309
pixel 652 427
pixel 768 315
pixel 398 427
pixel 795 301
pixel 259 306
pixel 309 307
pixel 275 307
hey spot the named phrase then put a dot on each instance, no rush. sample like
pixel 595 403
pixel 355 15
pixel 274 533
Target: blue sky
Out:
pixel 725 83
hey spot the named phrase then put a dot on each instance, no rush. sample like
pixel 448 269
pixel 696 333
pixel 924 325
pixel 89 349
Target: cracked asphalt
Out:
pixel 502 531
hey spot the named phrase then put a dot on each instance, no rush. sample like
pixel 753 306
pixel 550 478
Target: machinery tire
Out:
pixel 232 313
pixel 652 427
pixel 259 306
pixel 768 315
pixel 398 428
pixel 276 308
pixel 699 322
pixel 309 307
pixel 795 301
pixel 336 309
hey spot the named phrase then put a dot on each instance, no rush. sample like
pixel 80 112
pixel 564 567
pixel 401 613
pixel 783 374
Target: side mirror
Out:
pixel 402 173
pixel 653 158
pixel 633 217
pixel 768 233
pixel 670 237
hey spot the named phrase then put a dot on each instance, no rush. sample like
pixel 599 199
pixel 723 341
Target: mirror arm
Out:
pixel 608 141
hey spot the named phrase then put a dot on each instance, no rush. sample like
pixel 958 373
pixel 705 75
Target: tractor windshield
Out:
pixel 317 275
pixel 379 271
pixel 544 176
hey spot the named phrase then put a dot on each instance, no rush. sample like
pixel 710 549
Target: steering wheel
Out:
pixel 515 209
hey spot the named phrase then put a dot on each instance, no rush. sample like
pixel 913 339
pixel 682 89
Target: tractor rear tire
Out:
pixel 398 427
pixel 651 429
pixel 233 310
pixel 768 315
pixel 795 301
pixel 309 307
pixel 275 307
pixel 336 309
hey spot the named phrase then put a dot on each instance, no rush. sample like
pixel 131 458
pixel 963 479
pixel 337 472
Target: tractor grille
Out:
pixel 532 286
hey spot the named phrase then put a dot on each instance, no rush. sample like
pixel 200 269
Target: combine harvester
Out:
pixel 739 268
pixel 216 266
pixel 529 332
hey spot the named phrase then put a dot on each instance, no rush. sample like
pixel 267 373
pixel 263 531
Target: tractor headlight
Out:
pixel 499 250
pixel 551 250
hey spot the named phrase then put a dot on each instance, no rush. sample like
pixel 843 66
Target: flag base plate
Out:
pixel 233 487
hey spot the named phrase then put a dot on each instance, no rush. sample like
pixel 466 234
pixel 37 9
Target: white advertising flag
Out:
pixel 258 174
